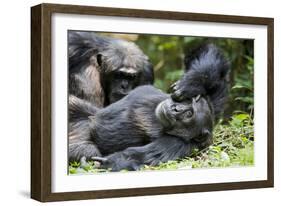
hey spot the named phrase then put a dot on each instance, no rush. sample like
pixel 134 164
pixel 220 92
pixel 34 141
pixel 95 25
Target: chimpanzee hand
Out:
pixel 117 161
pixel 206 71
pixel 186 88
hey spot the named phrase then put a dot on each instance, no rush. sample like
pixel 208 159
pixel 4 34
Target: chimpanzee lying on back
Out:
pixel 147 126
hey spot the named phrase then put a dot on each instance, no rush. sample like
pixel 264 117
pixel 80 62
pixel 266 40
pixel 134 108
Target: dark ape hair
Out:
pixel 206 73
pixel 92 60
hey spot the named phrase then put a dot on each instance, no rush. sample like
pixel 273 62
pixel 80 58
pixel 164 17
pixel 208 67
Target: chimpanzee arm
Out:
pixel 190 85
pixel 205 74
pixel 160 150
pixel 206 70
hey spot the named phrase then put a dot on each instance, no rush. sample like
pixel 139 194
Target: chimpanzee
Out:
pixel 102 70
pixel 147 126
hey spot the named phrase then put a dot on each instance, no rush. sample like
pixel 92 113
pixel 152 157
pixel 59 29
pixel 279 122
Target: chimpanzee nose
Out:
pixel 124 85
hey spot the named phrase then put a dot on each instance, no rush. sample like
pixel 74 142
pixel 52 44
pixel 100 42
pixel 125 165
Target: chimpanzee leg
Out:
pixel 82 149
pixel 160 150
pixel 80 143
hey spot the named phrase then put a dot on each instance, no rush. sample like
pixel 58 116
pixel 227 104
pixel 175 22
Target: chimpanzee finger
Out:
pixel 102 160
pixel 177 95
pixel 174 86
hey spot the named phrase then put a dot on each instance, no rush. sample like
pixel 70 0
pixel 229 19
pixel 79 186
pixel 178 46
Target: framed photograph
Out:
pixel 132 102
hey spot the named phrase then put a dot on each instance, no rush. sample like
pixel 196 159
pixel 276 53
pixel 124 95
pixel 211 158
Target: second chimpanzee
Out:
pixel 102 69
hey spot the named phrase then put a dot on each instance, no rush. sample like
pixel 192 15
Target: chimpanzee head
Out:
pixel 102 69
pixel 191 119
pixel 123 66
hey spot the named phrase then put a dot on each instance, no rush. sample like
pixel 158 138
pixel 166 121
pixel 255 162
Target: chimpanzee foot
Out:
pixel 117 162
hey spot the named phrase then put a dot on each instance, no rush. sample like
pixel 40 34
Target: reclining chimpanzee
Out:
pixel 148 126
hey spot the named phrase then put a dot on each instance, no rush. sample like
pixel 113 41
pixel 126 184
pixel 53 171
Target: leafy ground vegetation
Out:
pixel 233 137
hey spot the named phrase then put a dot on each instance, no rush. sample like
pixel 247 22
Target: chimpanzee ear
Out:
pixel 99 59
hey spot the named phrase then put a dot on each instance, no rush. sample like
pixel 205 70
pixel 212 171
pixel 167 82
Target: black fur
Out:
pixel 95 63
pixel 130 133
pixel 206 71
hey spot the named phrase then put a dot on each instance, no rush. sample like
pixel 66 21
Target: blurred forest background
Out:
pixel 233 136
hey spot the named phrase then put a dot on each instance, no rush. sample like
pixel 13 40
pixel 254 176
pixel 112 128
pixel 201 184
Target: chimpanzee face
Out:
pixel 191 119
pixel 121 82
pixel 123 69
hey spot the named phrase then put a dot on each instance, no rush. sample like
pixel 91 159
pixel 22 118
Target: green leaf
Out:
pixel 72 171
pixel 242 116
pixel 245 99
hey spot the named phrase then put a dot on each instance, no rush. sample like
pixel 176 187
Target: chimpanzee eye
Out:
pixel 123 75
pixel 129 77
pixel 118 75
pixel 188 113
